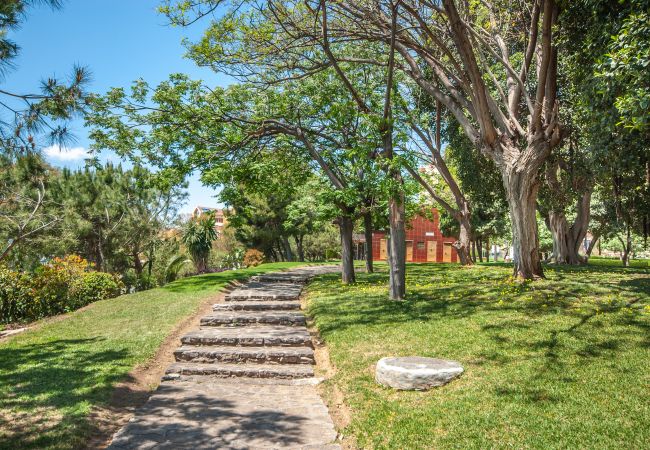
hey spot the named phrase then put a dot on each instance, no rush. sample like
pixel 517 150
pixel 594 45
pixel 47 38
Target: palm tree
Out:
pixel 198 235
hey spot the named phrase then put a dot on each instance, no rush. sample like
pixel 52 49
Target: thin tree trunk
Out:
pixel 592 244
pixel 346 227
pixel 627 247
pixel 397 247
pixel 280 250
pixel 367 231
pixel 487 247
pixel 474 250
pixel 299 248
pixel 479 249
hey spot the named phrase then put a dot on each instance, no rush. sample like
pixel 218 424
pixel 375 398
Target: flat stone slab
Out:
pixel 239 318
pixel 254 290
pixel 249 305
pixel 241 370
pixel 262 355
pixel 257 336
pixel 415 372
pixel 211 414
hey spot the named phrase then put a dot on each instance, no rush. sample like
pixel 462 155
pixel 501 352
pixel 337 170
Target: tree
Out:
pixel 481 183
pixel 605 84
pixel 512 116
pixel 254 56
pixel 26 209
pixel 198 235
pixel 224 132
pixel 114 216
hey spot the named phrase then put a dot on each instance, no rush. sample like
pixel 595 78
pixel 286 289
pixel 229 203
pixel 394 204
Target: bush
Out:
pixel 16 296
pixel 231 260
pixel 62 285
pixel 92 286
pixel 253 257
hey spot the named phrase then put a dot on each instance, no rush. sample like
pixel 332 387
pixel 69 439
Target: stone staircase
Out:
pixel 258 332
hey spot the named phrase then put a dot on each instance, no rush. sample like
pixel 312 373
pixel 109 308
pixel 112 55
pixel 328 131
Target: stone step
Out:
pixel 266 305
pixel 282 278
pixel 238 318
pixel 265 291
pixel 240 370
pixel 258 355
pixel 251 336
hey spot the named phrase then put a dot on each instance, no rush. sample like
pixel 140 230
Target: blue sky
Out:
pixel 119 41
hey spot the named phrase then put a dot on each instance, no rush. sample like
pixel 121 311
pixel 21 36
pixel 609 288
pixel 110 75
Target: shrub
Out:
pixel 53 280
pixel 92 286
pixel 253 257
pixel 62 285
pixel 16 296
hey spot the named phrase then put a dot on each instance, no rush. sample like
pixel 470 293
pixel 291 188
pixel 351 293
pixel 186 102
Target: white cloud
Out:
pixel 65 154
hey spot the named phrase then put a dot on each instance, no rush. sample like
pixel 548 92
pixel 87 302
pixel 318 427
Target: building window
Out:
pixel 420 245
pixel 219 220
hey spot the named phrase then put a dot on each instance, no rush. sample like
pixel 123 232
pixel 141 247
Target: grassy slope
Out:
pixel 52 376
pixel 559 363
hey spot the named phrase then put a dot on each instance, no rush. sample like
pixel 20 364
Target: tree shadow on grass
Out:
pixel 578 316
pixel 47 388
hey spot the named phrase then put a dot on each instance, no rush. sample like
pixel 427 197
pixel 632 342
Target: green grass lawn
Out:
pixel 558 363
pixel 51 377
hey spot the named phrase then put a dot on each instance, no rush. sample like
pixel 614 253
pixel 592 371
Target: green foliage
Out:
pixel 16 296
pixel 62 285
pixel 91 287
pixel 198 235
pixel 27 210
pixel 174 267
pixel 625 71
pixel 233 259
pixel 252 258
pixel 323 245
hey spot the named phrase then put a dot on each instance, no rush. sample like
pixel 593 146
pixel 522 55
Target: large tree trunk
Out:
pixel 367 231
pixel 397 247
pixel 567 239
pixel 522 186
pixel 346 227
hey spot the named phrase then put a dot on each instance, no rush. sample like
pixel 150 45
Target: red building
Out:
pixel 424 242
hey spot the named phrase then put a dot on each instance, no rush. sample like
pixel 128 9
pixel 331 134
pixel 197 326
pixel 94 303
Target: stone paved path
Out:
pixel 244 380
